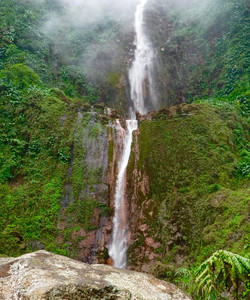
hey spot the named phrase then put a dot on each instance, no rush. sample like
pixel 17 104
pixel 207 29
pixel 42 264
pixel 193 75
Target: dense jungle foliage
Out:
pixel 196 160
pixel 204 48
pixel 198 166
pixel 37 124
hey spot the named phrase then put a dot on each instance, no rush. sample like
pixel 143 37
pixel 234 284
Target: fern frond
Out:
pixel 183 272
pixel 220 272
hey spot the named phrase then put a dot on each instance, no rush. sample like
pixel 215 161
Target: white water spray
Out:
pixel 118 248
pixel 140 76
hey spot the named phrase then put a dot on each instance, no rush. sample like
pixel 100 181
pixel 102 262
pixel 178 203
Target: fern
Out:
pixel 183 272
pixel 183 277
pixel 222 271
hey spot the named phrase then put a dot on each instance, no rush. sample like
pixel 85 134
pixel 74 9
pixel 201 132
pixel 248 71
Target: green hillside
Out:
pixel 191 156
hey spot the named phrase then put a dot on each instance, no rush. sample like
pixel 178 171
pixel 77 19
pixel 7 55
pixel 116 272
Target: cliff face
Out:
pixel 185 180
pixel 85 212
pixel 201 52
pixel 186 199
pixel 201 47
pixel 187 175
pixel 183 183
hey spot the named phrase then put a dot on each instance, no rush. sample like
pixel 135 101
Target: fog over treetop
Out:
pixel 81 12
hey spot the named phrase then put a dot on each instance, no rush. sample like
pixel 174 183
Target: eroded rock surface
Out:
pixel 42 275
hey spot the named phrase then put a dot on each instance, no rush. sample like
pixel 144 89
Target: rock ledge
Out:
pixel 42 275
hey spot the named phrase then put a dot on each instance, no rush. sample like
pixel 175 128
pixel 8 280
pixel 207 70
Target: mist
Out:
pixel 97 36
pixel 89 11
pixel 82 12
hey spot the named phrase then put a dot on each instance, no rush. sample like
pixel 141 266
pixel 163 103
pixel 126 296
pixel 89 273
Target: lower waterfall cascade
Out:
pixel 118 247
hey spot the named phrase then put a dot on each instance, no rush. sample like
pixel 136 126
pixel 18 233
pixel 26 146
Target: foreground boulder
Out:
pixel 42 275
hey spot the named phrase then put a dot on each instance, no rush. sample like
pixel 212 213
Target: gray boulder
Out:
pixel 43 275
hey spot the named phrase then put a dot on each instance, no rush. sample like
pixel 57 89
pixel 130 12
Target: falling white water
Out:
pixel 118 247
pixel 140 75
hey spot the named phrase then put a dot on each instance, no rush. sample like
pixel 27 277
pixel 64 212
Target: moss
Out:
pixel 95 130
pixel 205 50
pixel 32 206
pixel 43 127
pixel 82 212
pixel 187 148
pixel 190 154
pixel 114 78
pixel 111 151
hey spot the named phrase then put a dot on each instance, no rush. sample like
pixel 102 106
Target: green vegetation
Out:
pixel 223 272
pixel 24 40
pixel 193 164
pixel 42 92
pixel 192 155
pixel 34 154
pixel 204 50
pixel 40 135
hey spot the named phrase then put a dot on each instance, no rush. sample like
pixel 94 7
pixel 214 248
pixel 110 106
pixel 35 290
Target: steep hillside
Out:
pixel 202 49
pixel 82 60
pixel 188 187
pixel 42 146
pixel 188 174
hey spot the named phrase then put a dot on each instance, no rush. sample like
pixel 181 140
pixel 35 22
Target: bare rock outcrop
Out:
pixel 42 275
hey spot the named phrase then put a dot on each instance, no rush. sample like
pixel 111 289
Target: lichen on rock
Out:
pixel 43 275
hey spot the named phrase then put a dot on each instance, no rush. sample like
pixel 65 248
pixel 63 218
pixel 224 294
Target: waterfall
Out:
pixel 118 247
pixel 141 73
pixel 141 82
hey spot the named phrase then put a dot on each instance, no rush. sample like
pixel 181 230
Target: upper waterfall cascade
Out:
pixel 141 73
pixel 141 82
